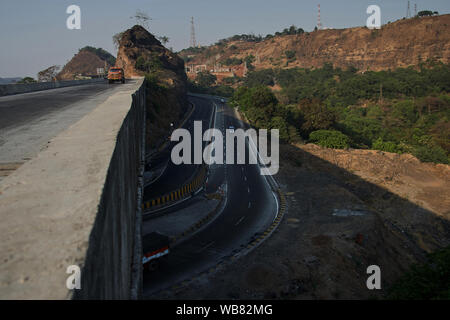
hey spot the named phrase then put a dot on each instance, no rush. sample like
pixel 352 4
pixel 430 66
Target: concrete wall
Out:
pixel 9 89
pixel 113 265
pixel 78 203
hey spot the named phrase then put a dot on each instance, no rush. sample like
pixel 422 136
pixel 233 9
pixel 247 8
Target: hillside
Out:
pixel 141 54
pixel 86 62
pixel 399 44
pixel 347 209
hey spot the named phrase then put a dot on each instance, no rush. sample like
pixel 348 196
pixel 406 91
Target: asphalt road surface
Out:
pixel 28 121
pixel 176 175
pixel 251 206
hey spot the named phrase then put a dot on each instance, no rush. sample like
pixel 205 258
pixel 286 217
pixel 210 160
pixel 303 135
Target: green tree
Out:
pixel 330 139
pixel 206 79
pixel 26 80
pixel 280 124
pixel 387 146
pixel 316 116
pixel 431 153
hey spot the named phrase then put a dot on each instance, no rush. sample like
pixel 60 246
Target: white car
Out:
pixel 222 100
pixel 231 129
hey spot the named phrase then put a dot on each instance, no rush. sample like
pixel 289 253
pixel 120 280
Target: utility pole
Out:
pixel 408 11
pixel 415 9
pixel 193 40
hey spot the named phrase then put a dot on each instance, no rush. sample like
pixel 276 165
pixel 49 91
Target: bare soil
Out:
pixel 347 210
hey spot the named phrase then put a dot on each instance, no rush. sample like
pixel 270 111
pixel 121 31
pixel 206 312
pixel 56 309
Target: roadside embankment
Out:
pixel 9 89
pixel 78 203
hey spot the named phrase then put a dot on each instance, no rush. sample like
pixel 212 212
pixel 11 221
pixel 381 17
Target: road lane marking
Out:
pixel 240 220
pixel 249 205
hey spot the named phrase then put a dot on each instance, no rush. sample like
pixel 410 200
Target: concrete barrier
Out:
pixel 79 203
pixel 113 264
pixel 9 89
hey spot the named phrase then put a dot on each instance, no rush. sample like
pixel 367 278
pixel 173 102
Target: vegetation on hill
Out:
pixel 402 111
pixel 26 80
pixel 428 281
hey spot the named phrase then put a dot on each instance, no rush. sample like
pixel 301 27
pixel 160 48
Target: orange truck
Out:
pixel 116 74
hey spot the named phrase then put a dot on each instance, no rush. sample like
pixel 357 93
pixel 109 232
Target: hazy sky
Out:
pixel 33 34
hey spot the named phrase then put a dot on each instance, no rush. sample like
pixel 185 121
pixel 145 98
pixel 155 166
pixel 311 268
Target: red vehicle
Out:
pixel 155 246
pixel 116 74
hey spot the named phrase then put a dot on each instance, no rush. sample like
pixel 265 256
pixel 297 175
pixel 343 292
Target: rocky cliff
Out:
pixel 141 54
pixel 399 44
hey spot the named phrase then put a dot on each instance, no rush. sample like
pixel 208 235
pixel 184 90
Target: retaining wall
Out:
pixel 78 203
pixel 9 89
pixel 113 264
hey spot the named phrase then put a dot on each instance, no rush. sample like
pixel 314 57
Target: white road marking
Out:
pixel 245 178
pixel 249 205
pixel 240 220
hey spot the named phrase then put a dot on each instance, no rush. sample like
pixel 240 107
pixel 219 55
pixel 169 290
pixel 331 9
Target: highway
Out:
pixel 250 207
pixel 28 121
pixel 176 175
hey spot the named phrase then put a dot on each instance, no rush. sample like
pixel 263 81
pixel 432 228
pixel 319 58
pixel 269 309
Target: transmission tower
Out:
pixel 319 23
pixel 408 11
pixel 193 40
pixel 415 9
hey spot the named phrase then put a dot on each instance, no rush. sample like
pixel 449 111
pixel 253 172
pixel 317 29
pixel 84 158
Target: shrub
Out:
pixel 290 55
pixel 330 139
pixel 431 153
pixel 151 64
pixel 429 281
pixel 280 124
pixel 206 79
pixel 387 146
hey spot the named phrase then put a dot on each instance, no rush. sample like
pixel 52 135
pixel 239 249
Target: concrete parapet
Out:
pixel 78 203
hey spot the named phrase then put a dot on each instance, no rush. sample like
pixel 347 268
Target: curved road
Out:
pixel 176 175
pixel 250 207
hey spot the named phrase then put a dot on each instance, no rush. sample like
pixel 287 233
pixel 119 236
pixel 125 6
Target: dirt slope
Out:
pixel 347 210
pixel 83 63
pixel 399 44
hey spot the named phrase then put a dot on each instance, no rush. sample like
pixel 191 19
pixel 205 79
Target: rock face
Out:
pixel 399 44
pixel 84 63
pixel 167 89
pixel 138 42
